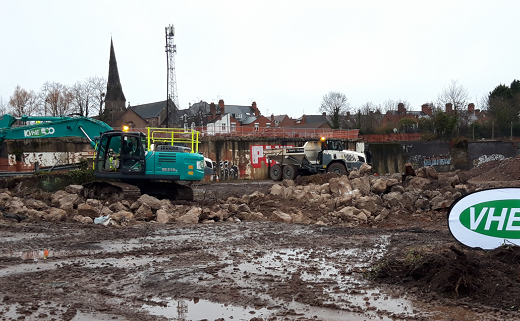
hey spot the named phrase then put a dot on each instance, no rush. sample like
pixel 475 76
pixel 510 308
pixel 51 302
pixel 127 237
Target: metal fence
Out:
pixel 274 132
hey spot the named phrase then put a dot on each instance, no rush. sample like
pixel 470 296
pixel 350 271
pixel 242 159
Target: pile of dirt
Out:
pixel 318 179
pixel 496 170
pixel 489 278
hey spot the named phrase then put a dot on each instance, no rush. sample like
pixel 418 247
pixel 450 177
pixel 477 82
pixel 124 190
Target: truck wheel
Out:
pixel 276 172
pixel 290 172
pixel 337 168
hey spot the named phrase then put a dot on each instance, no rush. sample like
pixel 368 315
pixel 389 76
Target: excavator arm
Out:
pixel 51 127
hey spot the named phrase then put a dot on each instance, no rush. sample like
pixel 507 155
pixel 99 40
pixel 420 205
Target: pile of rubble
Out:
pixel 360 198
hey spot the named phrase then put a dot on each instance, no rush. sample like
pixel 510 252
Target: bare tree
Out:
pixel 335 105
pixel 388 105
pixel 23 102
pixel 88 96
pixel 56 99
pixel 454 93
pixel 3 106
pixel 80 98
pixel 370 116
pixel 483 102
pixel 97 87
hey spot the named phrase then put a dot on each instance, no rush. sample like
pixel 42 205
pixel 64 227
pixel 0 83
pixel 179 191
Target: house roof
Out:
pixel 152 109
pixel 312 119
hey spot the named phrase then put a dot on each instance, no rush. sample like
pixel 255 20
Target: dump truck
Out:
pixel 314 157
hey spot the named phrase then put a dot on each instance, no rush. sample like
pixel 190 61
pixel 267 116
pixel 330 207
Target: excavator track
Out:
pixel 118 191
pixel 111 190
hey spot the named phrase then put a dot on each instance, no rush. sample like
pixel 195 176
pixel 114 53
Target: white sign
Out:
pixel 487 219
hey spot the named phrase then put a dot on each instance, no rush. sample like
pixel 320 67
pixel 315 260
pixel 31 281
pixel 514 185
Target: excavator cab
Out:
pixel 120 152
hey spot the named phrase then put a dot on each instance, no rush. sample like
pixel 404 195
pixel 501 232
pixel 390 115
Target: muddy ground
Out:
pixel 409 267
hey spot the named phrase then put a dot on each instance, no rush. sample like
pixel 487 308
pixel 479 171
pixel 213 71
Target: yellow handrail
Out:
pixel 171 136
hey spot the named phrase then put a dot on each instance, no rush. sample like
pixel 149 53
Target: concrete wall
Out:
pixel 391 157
pixel 242 158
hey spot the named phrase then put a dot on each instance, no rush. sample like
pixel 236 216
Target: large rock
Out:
pixel 354 174
pixel 144 213
pixel 251 216
pixel 379 186
pixel 66 202
pixel 281 217
pixel 419 182
pixel 288 192
pixel 324 189
pixel 340 185
pixel 344 200
pixel 350 213
pixel 83 219
pixel 4 197
pixel 440 202
pixel 408 200
pixel 117 206
pixel 288 183
pixel 191 217
pixel 233 208
pixel 122 216
pixel 362 184
pixel 297 217
pixel 427 172
pixel 422 203
pixel 367 203
pixel 74 189
pixel 243 208
pixel 432 172
pixel 393 199
pixel 35 214
pixel 365 169
pixel 56 197
pixel 397 189
pixel 36 204
pixel 88 211
pixel 151 201
pixel 56 214
pixel 162 217
pixel 14 204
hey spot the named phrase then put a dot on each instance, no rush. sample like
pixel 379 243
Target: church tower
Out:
pixel 114 99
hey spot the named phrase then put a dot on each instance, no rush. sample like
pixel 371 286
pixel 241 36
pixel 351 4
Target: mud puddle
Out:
pixel 40 264
pixel 43 311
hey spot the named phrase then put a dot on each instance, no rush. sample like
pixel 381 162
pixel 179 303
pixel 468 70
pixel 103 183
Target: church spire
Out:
pixel 114 99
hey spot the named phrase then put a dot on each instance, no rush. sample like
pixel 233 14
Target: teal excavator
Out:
pixel 161 162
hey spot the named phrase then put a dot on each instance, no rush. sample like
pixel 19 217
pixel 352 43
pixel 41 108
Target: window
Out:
pixel 267 124
pixel 257 126
pixel 239 116
pixel 223 126
pixel 233 126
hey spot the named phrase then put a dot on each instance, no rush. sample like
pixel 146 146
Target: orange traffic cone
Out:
pixel 45 254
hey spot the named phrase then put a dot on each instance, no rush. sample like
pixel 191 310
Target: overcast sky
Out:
pixel 285 55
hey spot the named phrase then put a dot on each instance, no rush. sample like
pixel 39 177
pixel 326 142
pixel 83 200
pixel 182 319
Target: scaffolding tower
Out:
pixel 171 83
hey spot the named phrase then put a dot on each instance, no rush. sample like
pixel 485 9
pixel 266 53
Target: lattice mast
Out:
pixel 171 83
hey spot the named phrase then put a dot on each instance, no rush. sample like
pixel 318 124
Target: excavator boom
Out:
pixel 51 127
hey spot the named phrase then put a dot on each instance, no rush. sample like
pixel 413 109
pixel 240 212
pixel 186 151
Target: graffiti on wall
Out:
pixel 257 154
pixel 487 158
pixel 421 161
